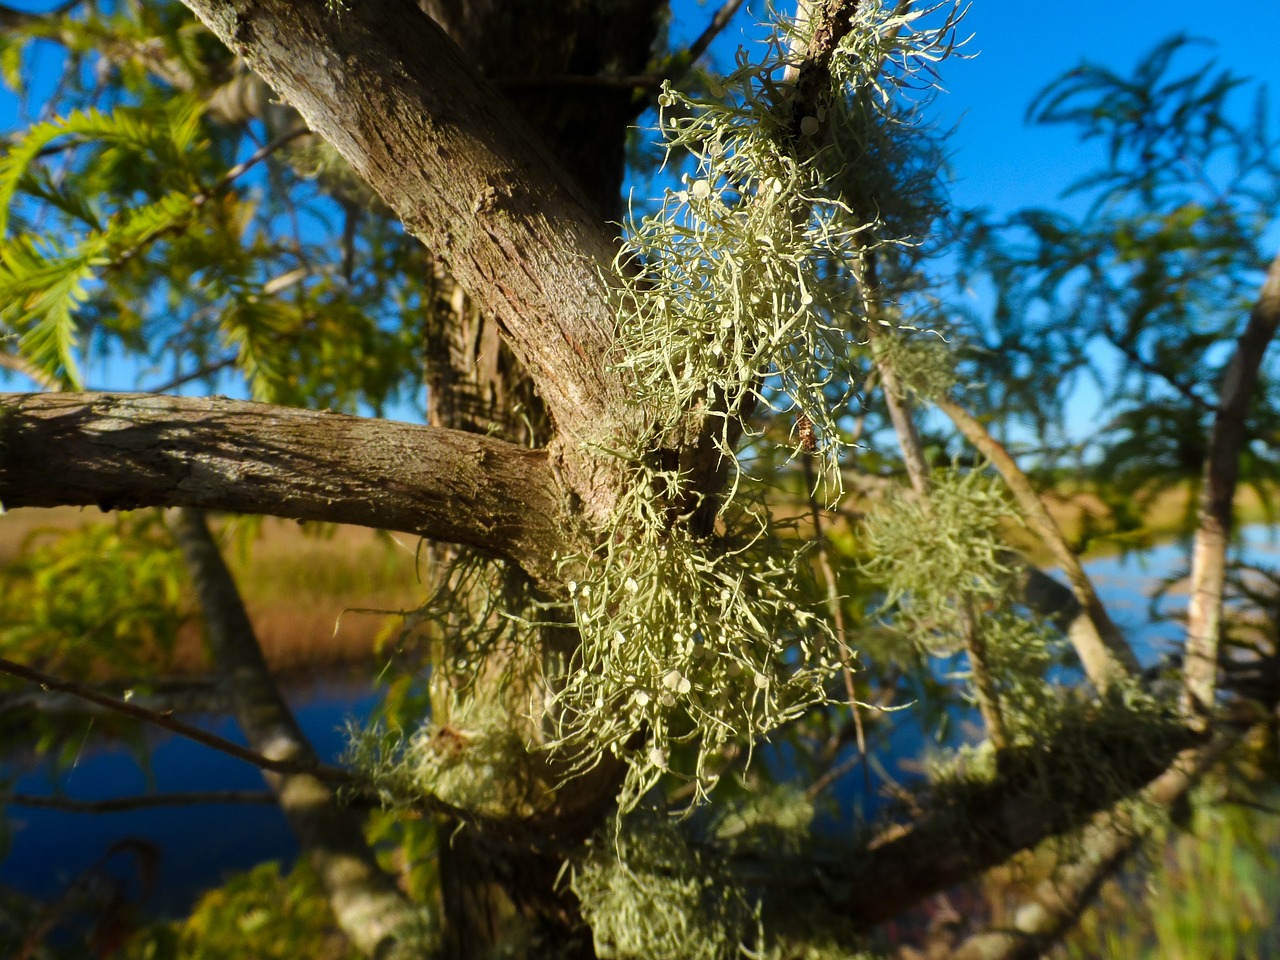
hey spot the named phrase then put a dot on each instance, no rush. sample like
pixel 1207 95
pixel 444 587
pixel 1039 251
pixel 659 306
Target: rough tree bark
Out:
pixel 387 88
pixel 122 451
pixel 475 383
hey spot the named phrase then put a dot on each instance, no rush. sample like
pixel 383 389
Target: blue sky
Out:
pixel 1021 45
pixel 1017 47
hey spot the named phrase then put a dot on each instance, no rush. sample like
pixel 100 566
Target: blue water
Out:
pixel 1126 585
pixel 199 845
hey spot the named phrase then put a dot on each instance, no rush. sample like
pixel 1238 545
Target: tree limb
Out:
pixel 203 737
pixel 1105 844
pixel 387 88
pixel 1217 497
pixel 983 827
pixel 140 802
pixel 1103 651
pixel 366 902
pixel 121 451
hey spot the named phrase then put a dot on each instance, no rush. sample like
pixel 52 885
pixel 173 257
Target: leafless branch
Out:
pixel 641 81
pixel 1217 497
pixel 1103 651
pixel 333 775
pixel 1105 844
pixel 123 451
pixel 140 802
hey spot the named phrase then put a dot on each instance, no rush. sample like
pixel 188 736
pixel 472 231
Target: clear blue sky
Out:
pixel 1021 45
pixel 1018 46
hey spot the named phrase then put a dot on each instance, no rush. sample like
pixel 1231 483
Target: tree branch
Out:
pixel 121 451
pixel 682 61
pixel 213 741
pixel 366 903
pixel 983 828
pixel 384 84
pixel 1102 649
pixel 1217 497
pixel 1110 838
pixel 140 802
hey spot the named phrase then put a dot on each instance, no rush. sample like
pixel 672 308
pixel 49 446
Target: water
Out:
pixel 1125 583
pixel 198 845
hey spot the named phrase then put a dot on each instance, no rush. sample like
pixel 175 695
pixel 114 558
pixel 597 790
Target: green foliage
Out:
pixel 107 595
pixel 282 917
pixel 169 249
pixel 1143 293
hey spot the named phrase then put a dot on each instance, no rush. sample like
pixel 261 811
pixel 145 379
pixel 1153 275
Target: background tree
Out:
pixel 338 204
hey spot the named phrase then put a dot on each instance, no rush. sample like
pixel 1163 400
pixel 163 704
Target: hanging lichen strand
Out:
pixel 745 286
pixel 742 288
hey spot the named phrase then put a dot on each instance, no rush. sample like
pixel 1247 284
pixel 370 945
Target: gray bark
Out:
pixel 1217 499
pixel 389 90
pixel 366 902
pixel 122 451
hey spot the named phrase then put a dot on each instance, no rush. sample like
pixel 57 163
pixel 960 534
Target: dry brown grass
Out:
pixel 304 588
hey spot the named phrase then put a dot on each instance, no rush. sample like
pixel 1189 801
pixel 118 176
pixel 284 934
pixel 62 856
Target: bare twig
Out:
pixel 140 802
pixel 641 81
pixel 1103 651
pixel 1217 496
pixel 327 773
pixel 835 607
pixel 713 29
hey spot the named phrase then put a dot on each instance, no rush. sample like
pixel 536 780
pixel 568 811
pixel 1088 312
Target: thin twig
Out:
pixel 837 611
pixel 140 802
pixel 638 81
pixel 49 682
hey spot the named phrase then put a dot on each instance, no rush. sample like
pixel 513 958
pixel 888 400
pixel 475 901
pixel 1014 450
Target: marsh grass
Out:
pixel 1213 892
pixel 307 588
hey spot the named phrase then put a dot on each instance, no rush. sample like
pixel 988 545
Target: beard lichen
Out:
pixel 745 288
pixel 697 628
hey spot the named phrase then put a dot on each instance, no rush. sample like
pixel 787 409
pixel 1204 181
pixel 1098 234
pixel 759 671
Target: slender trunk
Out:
pixel 1217 496
pixel 366 902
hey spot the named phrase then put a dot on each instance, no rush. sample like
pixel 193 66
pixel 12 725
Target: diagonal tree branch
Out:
pixel 121 451
pixel 1102 649
pixel 1217 497
pixel 392 93
pixel 141 801
pixel 191 732
pixel 1105 844
pixel 368 906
